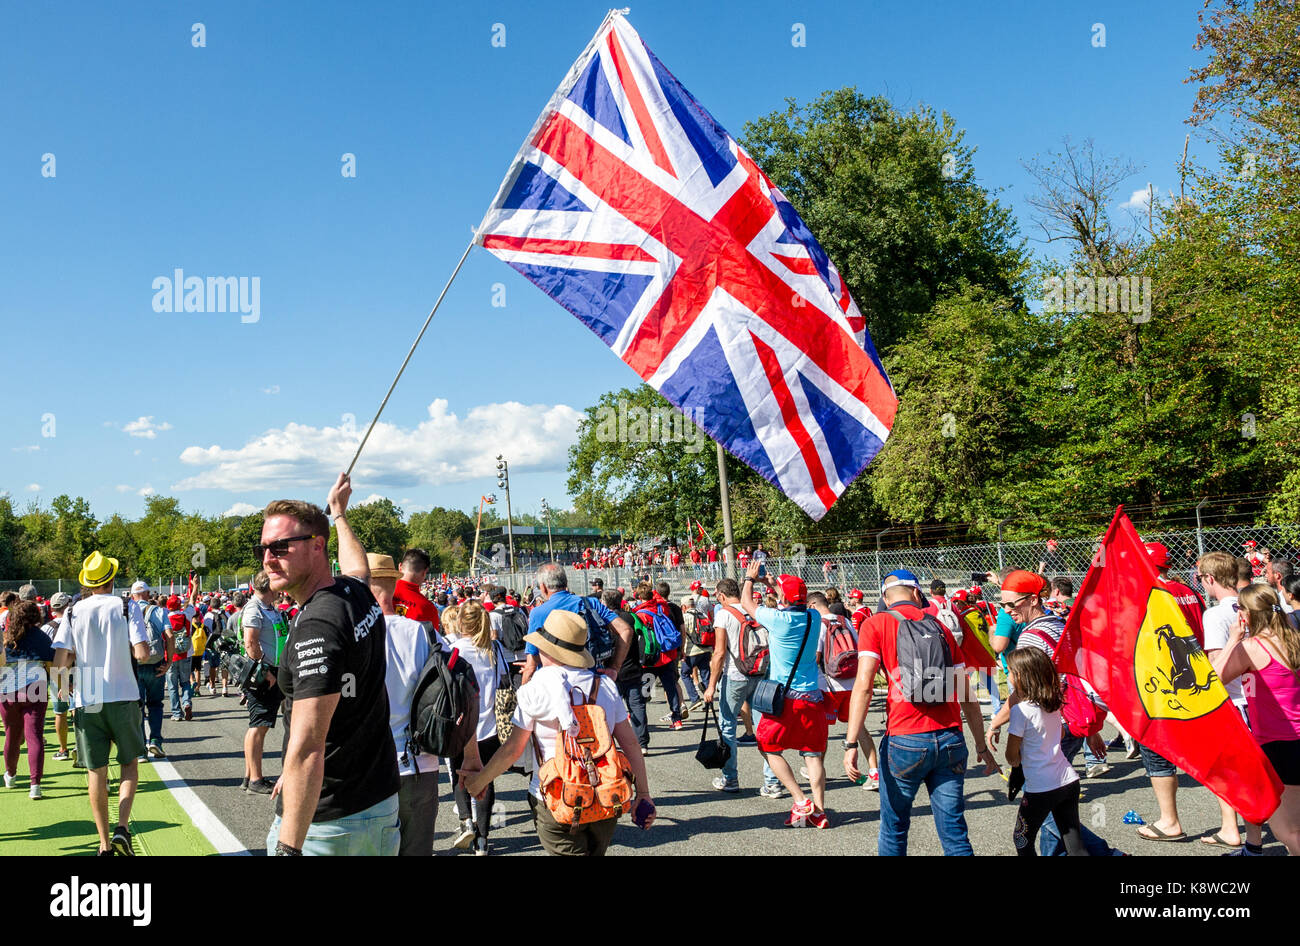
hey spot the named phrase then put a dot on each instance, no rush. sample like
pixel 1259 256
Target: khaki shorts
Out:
pixel 590 840
pixel 100 727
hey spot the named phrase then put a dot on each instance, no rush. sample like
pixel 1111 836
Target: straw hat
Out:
pixel 563 638
pixel 381 566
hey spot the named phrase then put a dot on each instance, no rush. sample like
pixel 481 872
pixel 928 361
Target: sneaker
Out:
pixel 35 792
pixel 1097 770
pixel 697 706
pixel 109 853
pixel 723 785
pixel 677 724
pixel 262 786
pixel 1133 751
pixel 818 819
pixel 803 772
pixel 1117 743
pixel 243 699
pixel 189 712
pixel 480 847
pixel 177 718
pixel 122 842
pixel 775 790
pixel 61 755
pixel 799 814
pixel 243 786
pixel 746 740
pixel 872 783
pixel 666 718
pixel 465 837
pixel 1245 851
pixel 224 691
pixel 142 758
pixel 9 780
pixel 156 750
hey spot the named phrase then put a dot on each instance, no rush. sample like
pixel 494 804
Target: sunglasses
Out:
pixel 279 548
pixel 1017 603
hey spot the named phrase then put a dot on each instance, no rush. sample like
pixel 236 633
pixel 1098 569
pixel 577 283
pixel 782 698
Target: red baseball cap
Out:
pixel 793 589
pixel 856 593
pixel 959 594
pixel 173 603
pixel 697 585
pixel 1159 554
pixel 1024 582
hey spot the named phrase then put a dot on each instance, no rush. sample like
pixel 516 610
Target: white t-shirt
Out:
pixel 545 704
pixel 1218 622
pixel 100 637
pixel 725 619
pixel 407 649
pixel 488 677
pixel 1045 766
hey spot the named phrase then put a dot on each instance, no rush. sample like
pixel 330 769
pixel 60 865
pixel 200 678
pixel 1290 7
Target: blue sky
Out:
pixel 225 161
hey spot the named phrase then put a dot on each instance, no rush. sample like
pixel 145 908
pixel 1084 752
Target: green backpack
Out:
pixel 648 651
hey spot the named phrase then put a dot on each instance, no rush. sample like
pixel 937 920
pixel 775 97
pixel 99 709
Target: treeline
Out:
pixel 1152 363
pixel 52 541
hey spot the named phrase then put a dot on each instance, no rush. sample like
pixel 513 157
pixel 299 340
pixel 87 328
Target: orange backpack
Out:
pixel 589 778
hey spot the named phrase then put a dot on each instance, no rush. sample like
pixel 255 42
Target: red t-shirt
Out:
pixel 879 636
pixel 408 602
pixel 860 617
pixel 1190 603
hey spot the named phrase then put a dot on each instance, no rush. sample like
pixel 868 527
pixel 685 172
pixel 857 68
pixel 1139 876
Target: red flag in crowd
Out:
pixel 1127 636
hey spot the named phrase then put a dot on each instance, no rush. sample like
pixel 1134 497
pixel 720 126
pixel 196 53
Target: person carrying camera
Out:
pixel 262 624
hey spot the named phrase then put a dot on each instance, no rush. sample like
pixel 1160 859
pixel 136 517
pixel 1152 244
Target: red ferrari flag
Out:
pixel 1127 636
pixel 976 652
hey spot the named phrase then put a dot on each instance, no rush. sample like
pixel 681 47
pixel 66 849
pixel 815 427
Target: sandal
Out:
pixel 1215 840
pixel 1159 835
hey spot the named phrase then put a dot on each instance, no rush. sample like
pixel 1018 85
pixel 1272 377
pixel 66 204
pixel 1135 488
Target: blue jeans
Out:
pixel 151 697
pixel 178 685
pixel 630 690
pixel 700 662
pixel 375 831
pixel 938 761
pixel 1049 839
pixel 736 693
pixel 667 675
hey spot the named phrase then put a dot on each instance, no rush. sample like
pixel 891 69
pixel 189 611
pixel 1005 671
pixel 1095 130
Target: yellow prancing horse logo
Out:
pixel 1174 676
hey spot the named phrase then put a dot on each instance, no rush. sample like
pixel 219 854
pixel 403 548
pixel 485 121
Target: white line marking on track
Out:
pixel 210 825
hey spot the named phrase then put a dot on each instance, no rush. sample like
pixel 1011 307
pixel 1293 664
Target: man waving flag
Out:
pixel 1127 636
pixel 630 206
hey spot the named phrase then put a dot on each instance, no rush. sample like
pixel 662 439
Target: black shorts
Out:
pixel 263 705
pixel 1285 756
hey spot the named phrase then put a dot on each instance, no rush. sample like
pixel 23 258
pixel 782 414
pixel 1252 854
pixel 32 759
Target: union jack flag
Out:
pixel 630 206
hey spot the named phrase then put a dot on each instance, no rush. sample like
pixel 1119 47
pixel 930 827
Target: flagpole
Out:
pixel 406 360
pixel 729 548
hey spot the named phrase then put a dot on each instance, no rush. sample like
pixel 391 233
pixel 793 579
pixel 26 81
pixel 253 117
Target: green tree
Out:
pixel 379 528
pixel 892 198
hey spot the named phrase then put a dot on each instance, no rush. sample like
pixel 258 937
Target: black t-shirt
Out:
pixel 631 669
pixel 336 645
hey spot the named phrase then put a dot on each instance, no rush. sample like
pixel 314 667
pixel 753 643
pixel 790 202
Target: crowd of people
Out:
pixel 558 689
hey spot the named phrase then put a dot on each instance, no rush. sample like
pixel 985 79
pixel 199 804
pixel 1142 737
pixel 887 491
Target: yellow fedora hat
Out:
pixel 97 570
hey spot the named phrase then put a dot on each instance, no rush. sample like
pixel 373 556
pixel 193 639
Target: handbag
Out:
pixel 769 696
pixel 712 754
pixel 506 698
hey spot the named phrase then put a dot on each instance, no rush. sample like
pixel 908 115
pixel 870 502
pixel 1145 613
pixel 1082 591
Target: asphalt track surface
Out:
pixel 695 819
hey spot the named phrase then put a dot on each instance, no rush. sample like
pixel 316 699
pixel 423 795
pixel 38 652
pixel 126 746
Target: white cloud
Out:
pixel 145 490
pixel 33 487
pixel 442 449
pixel 1140 199
pixel 145 427
pixel 32 449
pixel 4 494
pixel 273 389
pixel 372 498
pixel 240 509
pixel 123 488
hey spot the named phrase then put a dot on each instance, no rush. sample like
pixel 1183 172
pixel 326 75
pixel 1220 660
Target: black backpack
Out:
pixel 514 625
pixel 925 664
pixel 600 642
pixel 440 717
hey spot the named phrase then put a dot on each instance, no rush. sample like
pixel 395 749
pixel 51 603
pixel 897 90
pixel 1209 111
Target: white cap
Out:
pixel 138 587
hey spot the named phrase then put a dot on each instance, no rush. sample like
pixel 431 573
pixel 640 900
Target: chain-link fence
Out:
pixel 45 587
pixel 958 566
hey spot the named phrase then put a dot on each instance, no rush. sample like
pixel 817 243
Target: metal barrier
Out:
pixel 863 569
